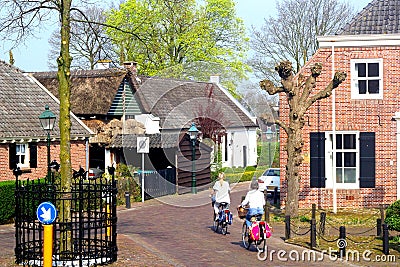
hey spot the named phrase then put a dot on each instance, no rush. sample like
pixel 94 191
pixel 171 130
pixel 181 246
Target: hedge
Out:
pixel 7 203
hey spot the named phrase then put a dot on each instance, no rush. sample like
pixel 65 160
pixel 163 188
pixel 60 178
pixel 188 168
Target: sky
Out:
pixel 32 56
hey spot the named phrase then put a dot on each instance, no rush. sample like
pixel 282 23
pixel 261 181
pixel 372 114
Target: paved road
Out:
pixel 180 232
pixel 176 231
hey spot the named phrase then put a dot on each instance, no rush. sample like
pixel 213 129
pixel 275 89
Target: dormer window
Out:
pixel 366 78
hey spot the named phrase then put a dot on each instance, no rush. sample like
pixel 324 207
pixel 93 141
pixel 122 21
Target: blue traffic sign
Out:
pixel 46 213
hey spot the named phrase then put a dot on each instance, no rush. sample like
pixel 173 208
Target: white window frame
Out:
pixel 20 153
pixel 328 161
pixel 354 79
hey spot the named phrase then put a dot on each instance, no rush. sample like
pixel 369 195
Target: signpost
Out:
pixel 143 146
pixel 46 214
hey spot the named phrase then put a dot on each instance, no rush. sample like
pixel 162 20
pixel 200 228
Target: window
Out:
pixel 366 78
pixel 354 160
pixel 22 157
pixel 346 158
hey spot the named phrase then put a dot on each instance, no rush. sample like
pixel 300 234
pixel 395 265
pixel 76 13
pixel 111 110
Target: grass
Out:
pixel 360 225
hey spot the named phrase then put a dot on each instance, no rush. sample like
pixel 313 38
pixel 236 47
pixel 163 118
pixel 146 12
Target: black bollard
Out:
pixel 275 195
pixel 379 227
pixel 385 239
pixel 287 227
pixel 313 233
pixel 322 219
pixel 342 242
pixel 127 200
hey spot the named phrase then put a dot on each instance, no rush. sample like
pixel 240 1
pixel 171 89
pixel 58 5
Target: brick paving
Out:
pixel 176 231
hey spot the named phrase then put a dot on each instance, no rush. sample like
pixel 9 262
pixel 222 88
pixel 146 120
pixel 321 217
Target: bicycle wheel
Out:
pixel 245 236
pixel 215 223
pixel 260 245
pixel 224 228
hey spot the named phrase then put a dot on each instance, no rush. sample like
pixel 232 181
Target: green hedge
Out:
pixel 7 203
pixel 393 216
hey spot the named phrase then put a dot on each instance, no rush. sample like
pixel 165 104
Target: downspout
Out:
pixel 87 155
pixel 397 119
pixel 334 194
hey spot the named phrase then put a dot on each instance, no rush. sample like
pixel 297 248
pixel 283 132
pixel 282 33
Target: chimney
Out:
pixel 102 64
pixel 132 66
pixel 214 79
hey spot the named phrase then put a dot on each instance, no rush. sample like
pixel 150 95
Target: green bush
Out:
pixel 393 216
pixel 7 203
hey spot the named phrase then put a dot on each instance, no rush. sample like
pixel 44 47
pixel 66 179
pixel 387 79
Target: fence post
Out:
pixel 275 195
pixel 287 227
pixel 322 223
pixel 385 239
pixel 342 242
pixel 313 233
pixel 379 227
pixel 314 207
pixel 266 212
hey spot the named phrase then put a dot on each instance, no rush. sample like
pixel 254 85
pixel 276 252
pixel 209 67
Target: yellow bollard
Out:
pixel 48 245
pixel 108 221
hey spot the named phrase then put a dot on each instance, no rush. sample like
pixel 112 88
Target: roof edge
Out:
pixel 361 40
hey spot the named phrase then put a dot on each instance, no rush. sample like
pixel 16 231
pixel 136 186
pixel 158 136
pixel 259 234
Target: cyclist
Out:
pixel 221 190
pixel 255 200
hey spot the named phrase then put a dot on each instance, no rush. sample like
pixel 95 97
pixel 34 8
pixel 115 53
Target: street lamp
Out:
pixel 269 135
pixel 193 131
pixel 47 120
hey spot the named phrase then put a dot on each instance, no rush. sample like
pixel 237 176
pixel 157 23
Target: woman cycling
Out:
pixel 221 190
pixel 255 200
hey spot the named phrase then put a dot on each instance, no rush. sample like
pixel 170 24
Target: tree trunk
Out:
pixel 64 63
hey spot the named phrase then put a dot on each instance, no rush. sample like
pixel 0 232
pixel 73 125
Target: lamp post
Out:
pixel 269 135
pixel 193 131
pixel 47 120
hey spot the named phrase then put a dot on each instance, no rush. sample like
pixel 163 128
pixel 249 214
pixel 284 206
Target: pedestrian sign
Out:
pixel 46 213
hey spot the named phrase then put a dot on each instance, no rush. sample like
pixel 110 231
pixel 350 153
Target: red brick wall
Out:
pixel 77 158
pixel 357 115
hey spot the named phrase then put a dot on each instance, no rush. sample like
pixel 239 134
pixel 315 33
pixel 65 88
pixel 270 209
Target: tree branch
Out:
pixel 338 78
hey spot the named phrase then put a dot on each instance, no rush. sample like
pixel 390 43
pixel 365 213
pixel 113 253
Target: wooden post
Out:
pixel 342 242
pixel 287 227
pixel 385 239
pixel 379 227
pixel 322 223
pixel 313 233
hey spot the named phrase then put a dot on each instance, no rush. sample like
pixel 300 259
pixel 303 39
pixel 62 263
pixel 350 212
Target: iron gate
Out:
pixel 159 183
pixel 86 236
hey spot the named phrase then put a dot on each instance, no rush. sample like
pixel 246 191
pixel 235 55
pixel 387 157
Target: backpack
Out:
pixel 255 231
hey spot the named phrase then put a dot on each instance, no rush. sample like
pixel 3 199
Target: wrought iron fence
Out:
pixel 84 234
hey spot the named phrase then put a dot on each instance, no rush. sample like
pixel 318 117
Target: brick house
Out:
pixel 23 142
pixel 363 113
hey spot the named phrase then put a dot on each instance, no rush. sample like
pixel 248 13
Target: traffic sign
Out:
pixel 46 213
pixel 143 144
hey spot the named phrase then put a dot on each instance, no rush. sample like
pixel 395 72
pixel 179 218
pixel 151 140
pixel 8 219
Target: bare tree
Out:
pixel 300 96
pixel 292 34
pixel 88 44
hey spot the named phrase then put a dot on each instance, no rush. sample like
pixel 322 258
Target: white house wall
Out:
pixel 242 145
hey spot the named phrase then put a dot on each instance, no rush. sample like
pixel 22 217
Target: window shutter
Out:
pixel 367 160
pixel 317 160
pixel 32 155
pixel 12 156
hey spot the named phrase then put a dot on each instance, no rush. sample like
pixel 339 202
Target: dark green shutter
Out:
pixel 317 160
pixel 32 155
pixel 367 160
pixel 12 156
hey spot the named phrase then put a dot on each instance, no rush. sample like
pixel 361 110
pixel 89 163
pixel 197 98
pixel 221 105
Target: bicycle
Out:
pixel 224 219
pixel 259 239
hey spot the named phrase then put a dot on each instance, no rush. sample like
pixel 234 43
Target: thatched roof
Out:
pixel 92 91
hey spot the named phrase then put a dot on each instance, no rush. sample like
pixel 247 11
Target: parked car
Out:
pixel 270 179
pixel 95 173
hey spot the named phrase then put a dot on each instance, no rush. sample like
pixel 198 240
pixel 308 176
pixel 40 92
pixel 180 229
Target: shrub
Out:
pixel 393 216
pixel 7 203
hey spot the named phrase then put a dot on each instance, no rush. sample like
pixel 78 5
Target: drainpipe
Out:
pixel 397 119
pixel 87 155
pixel 334 195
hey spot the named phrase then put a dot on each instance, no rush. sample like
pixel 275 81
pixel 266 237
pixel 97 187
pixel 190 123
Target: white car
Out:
pixel 270 179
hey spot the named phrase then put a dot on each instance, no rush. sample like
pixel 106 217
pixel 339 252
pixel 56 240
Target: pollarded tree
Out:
pixel 301 95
